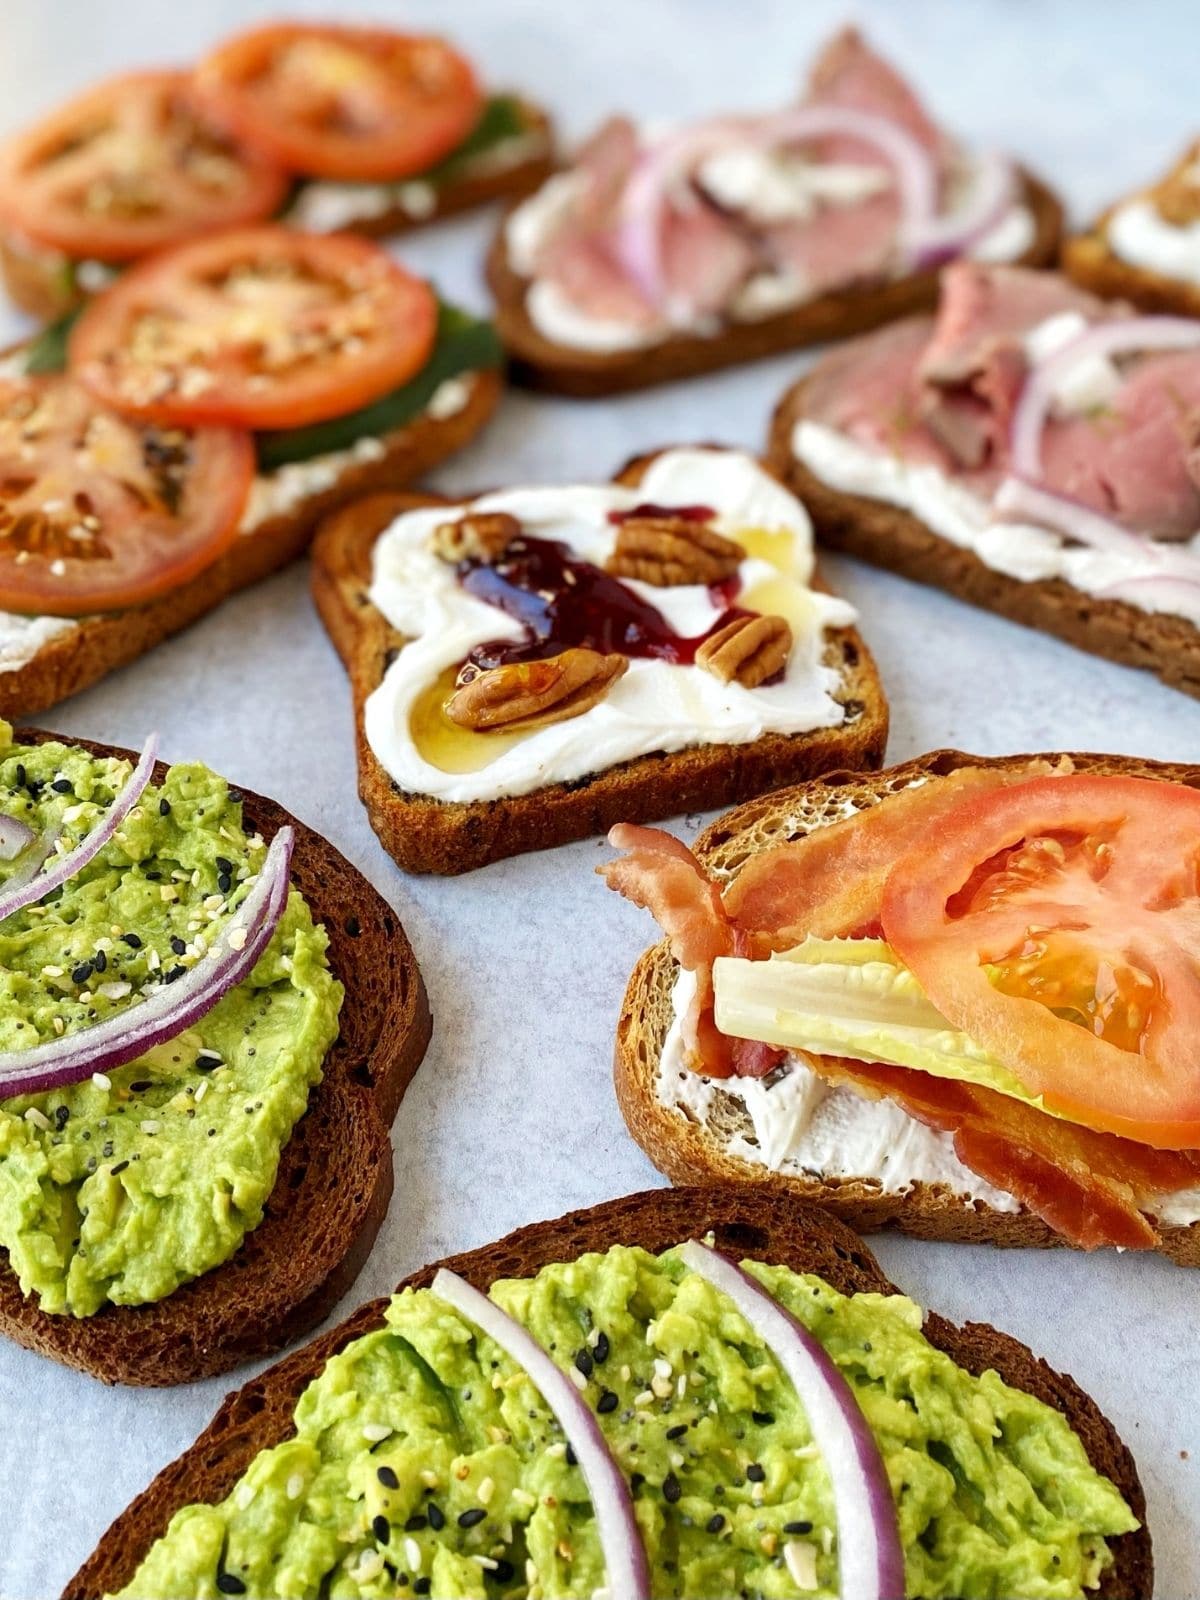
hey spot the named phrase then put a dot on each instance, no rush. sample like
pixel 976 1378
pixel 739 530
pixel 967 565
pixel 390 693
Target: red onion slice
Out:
pixel 870 1555
pixel 1017 498
pixel 1128 336
pixel 627 1571
pixel 172 1007
pixel 15 836
pixel 34 886
pixel 990 197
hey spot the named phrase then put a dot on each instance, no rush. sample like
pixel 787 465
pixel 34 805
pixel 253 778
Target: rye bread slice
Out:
pixel 691 1152
pixel 772 1227
pixel 889 536
pixel 540 363
pixel 73 661
pixel 429 835
pixel 36 283
pixel 335 1172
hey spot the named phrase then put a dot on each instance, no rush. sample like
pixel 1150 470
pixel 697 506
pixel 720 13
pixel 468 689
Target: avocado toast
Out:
pixel 727 1487
pixel 212 1197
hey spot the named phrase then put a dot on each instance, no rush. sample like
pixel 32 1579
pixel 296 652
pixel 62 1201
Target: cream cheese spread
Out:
pixel 1140 235
pixel 657 706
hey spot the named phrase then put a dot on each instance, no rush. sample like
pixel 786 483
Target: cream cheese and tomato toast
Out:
pixel 179 437
pixel 1030 448
pixel 533 664
pixel 704 1393
pixel 207 1019
pixel 959 997
pixel 662 251
pixel 322 126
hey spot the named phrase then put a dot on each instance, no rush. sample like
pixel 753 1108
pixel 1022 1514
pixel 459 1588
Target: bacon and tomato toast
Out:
pixel 957 997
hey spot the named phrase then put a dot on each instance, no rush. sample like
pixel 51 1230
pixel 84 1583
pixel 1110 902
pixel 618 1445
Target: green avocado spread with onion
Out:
pixel 423 1461
pixel 122 1187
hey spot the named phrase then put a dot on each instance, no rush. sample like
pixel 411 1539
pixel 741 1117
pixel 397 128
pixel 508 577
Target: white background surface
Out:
pixel 512 1117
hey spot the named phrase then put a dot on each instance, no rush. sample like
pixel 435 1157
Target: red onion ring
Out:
pixel 1018 498
pixel 990 197
pixel 870 1555
pixel 171 1008
pixel 26 888
pixel 627 1571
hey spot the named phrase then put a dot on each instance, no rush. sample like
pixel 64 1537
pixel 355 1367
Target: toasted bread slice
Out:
pixel 42 283
pixel 84 654
pixel 429 835
pixel 542 364
pixel 688 1151
pixel 772 1227
pixel 889 536
pixel 335 1172
pixel 1088 259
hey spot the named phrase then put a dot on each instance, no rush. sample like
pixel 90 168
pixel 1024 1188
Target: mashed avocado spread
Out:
pixel 424 1463
pixel 122 1188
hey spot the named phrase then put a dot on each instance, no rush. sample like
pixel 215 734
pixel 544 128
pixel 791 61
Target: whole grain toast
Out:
pixel 774 1227
pixel 38 284
pixel 428 835
pixel 74 660
pixel 335 1172
pixel 1087 258
pixel 690 1152
pixel 540 363
pixel 889 536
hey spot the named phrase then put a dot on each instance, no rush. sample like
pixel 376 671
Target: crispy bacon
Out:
pixel 1093 1188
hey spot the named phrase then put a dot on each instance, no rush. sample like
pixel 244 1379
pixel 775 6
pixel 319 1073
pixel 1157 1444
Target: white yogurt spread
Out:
pixel 1140 235
pixel 22 637
pixel 803 1126
pixel 656 705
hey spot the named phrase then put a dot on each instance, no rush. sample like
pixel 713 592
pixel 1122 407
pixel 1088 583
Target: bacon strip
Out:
pixel 1093 1188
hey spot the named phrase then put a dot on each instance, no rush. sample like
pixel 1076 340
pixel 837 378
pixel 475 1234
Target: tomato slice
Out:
pixel 1058 924
pixel 261 328
pixel 130 167
pixel 98 513
pixel 348 103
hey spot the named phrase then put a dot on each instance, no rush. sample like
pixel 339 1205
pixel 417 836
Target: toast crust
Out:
pixel 540 363
pixel 428 835
pixel 335 1172
pixel 775 1227
pixel 687 1152
pixel 74 660
pixel 888 536
pixel 39 289
pixel 1088 259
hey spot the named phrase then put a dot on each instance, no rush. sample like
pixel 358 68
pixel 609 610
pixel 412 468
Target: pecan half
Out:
pixel 750 649
pixel 523 695
pixel 475 536
pixel 666 551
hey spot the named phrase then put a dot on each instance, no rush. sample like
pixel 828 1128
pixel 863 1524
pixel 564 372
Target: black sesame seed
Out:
pixel 600 1350
pixel 636 1482
pixel 164 808
pixel 381 1528
pixel 572 1458
pixel 584 1362
pixel 21 776
pixel 62 786
pixel 178 945
pixel 35 787
pixel 755 1473
pixel 224 883
pixel 207 1061
pixel 388 1478
pixel 141 1085
pixel 100 961
pixel 152 875
pixel 763 1418
pixel 607 1402
pixel 672 1488
pixel 797 1527
pixel 678 1431
pixel 223 863
pixel 472 1518
pixel 422 1585
pixel 715 1523
pixel 132 940
pixel 503 1571
pixel 120 1167
pixel 82 972
pixel 62 1116
pixel 415 1524
pixel 172 973
pixel 229 1583
pixel 437 1517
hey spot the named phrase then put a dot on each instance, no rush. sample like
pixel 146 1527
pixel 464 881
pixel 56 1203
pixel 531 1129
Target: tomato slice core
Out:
pixel 1057 923
pixel 98 513
pixel 342 102
pixel 130 167
pixel 260 328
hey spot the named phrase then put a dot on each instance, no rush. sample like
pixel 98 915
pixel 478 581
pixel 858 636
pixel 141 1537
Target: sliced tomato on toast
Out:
pixel 1057 923
pixel 129 167
pixel 342 102
pixel 259 328
pixel 98 513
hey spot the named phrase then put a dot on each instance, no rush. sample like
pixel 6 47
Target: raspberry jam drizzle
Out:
pixel 563 603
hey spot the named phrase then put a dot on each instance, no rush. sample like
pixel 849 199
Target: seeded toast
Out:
pixel 773 1227
pixel 76 659
pixel 889 536
pixel 691 1152
pixel 38 283
pixel 540 363
pixel 428 835
pixel 335 1172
